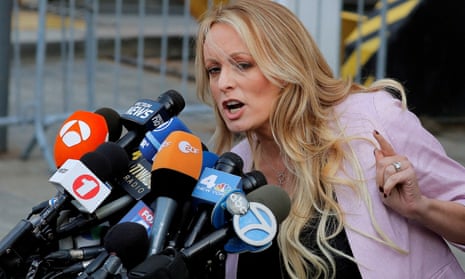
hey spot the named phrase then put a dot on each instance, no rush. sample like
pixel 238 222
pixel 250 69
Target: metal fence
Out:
pixel 84 55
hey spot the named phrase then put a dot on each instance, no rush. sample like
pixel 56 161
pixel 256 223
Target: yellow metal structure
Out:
pixel 368 36
pixel 198 7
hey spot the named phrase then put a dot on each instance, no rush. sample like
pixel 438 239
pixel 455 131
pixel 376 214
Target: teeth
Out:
pixel 232 103
pixel 233 106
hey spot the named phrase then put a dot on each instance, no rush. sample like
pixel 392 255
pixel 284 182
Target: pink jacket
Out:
pixel 439 177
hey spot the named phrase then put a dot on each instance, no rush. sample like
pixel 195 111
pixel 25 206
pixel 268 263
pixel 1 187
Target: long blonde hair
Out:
pixel 286 54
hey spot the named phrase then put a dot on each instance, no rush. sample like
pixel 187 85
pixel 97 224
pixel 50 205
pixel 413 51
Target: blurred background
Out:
pixel 59 56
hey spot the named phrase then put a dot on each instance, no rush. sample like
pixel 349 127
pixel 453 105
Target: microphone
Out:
pixel 175 170
pixel 146 115
pixel 143 116
pixel 153 139
pixel 113 120
pixel 213 184
pixel 82 184
pixel 252 180
pixel 29 235
pixel 128 241
pixel 125 247
pixel 81 132
pixel 174 264
pixel 256 232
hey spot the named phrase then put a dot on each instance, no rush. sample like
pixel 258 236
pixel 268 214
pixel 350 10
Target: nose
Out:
pixel 226 79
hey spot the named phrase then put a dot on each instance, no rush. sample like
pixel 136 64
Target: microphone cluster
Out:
pixel 152 203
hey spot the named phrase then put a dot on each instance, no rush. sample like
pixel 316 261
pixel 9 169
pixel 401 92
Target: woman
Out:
pixel 373 194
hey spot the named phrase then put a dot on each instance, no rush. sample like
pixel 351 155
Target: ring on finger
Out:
pixel 397 166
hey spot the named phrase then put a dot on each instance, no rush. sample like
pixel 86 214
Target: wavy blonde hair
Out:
pixel 286 54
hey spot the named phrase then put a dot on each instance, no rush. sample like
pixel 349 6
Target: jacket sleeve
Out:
pixel 439 176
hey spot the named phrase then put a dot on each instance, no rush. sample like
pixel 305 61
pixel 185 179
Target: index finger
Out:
pixel 384 145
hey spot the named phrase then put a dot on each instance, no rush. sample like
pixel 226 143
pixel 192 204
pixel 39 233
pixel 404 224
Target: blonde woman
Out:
pixel 373 194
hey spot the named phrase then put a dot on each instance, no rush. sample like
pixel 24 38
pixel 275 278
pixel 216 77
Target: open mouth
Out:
pixel 233 106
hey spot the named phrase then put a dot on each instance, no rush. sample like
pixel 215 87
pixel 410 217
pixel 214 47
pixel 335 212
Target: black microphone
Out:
pixel 252 180
pixel 272 197
pixel 126 244
pixel 175 171
pixel 114 123
pixel 228 173
pixel 90 189
pixel 175 264
pixel 230 162
pixel 146 115
pixel 30 234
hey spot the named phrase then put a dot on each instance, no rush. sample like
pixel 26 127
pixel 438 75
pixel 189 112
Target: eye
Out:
pixel 244 66
pixel 213 70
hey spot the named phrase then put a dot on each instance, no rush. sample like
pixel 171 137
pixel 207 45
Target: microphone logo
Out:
pixel 82 132
pixel 257 227
pixel 81 183
pixel 141 110
pixel 74 132
pixel 86 187
pixel 186 148
pixel 164 125
pixel 237 204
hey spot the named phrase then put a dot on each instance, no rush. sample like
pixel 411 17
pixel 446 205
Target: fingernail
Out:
pixel 381 189
pixel 385 196
pixel 376 132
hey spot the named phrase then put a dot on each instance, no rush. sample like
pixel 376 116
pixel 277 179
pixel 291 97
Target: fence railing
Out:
pixel 68 55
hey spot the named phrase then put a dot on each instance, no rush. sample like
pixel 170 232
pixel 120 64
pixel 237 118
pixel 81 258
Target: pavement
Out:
pixel 24 182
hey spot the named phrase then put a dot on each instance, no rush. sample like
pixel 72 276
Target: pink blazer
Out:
pixel 439 177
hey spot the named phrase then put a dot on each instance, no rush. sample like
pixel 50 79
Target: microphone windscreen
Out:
pixel 181 152
pixel 252 180
pixel 230 162
pixel 172 101
pixel 113 120
pixel 98 164
pixel 177 166
pixel 116 154
pixel 82 132
pixel 273 197
pixel 129 241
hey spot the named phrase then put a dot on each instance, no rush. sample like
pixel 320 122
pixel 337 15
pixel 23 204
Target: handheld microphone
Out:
pixel 128 241
pixel 146 115
pixel 82 184
pixel 29 235
pixel 113 120
pixel 213 184
pixel 81 132
pixel 175 170
pixel 173 264
pixel 125 247
pixel 272 197
pixel 153 139
pixel 252 180
pixel 112 159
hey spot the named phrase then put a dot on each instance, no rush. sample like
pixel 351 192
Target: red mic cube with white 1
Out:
pixel 81 183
